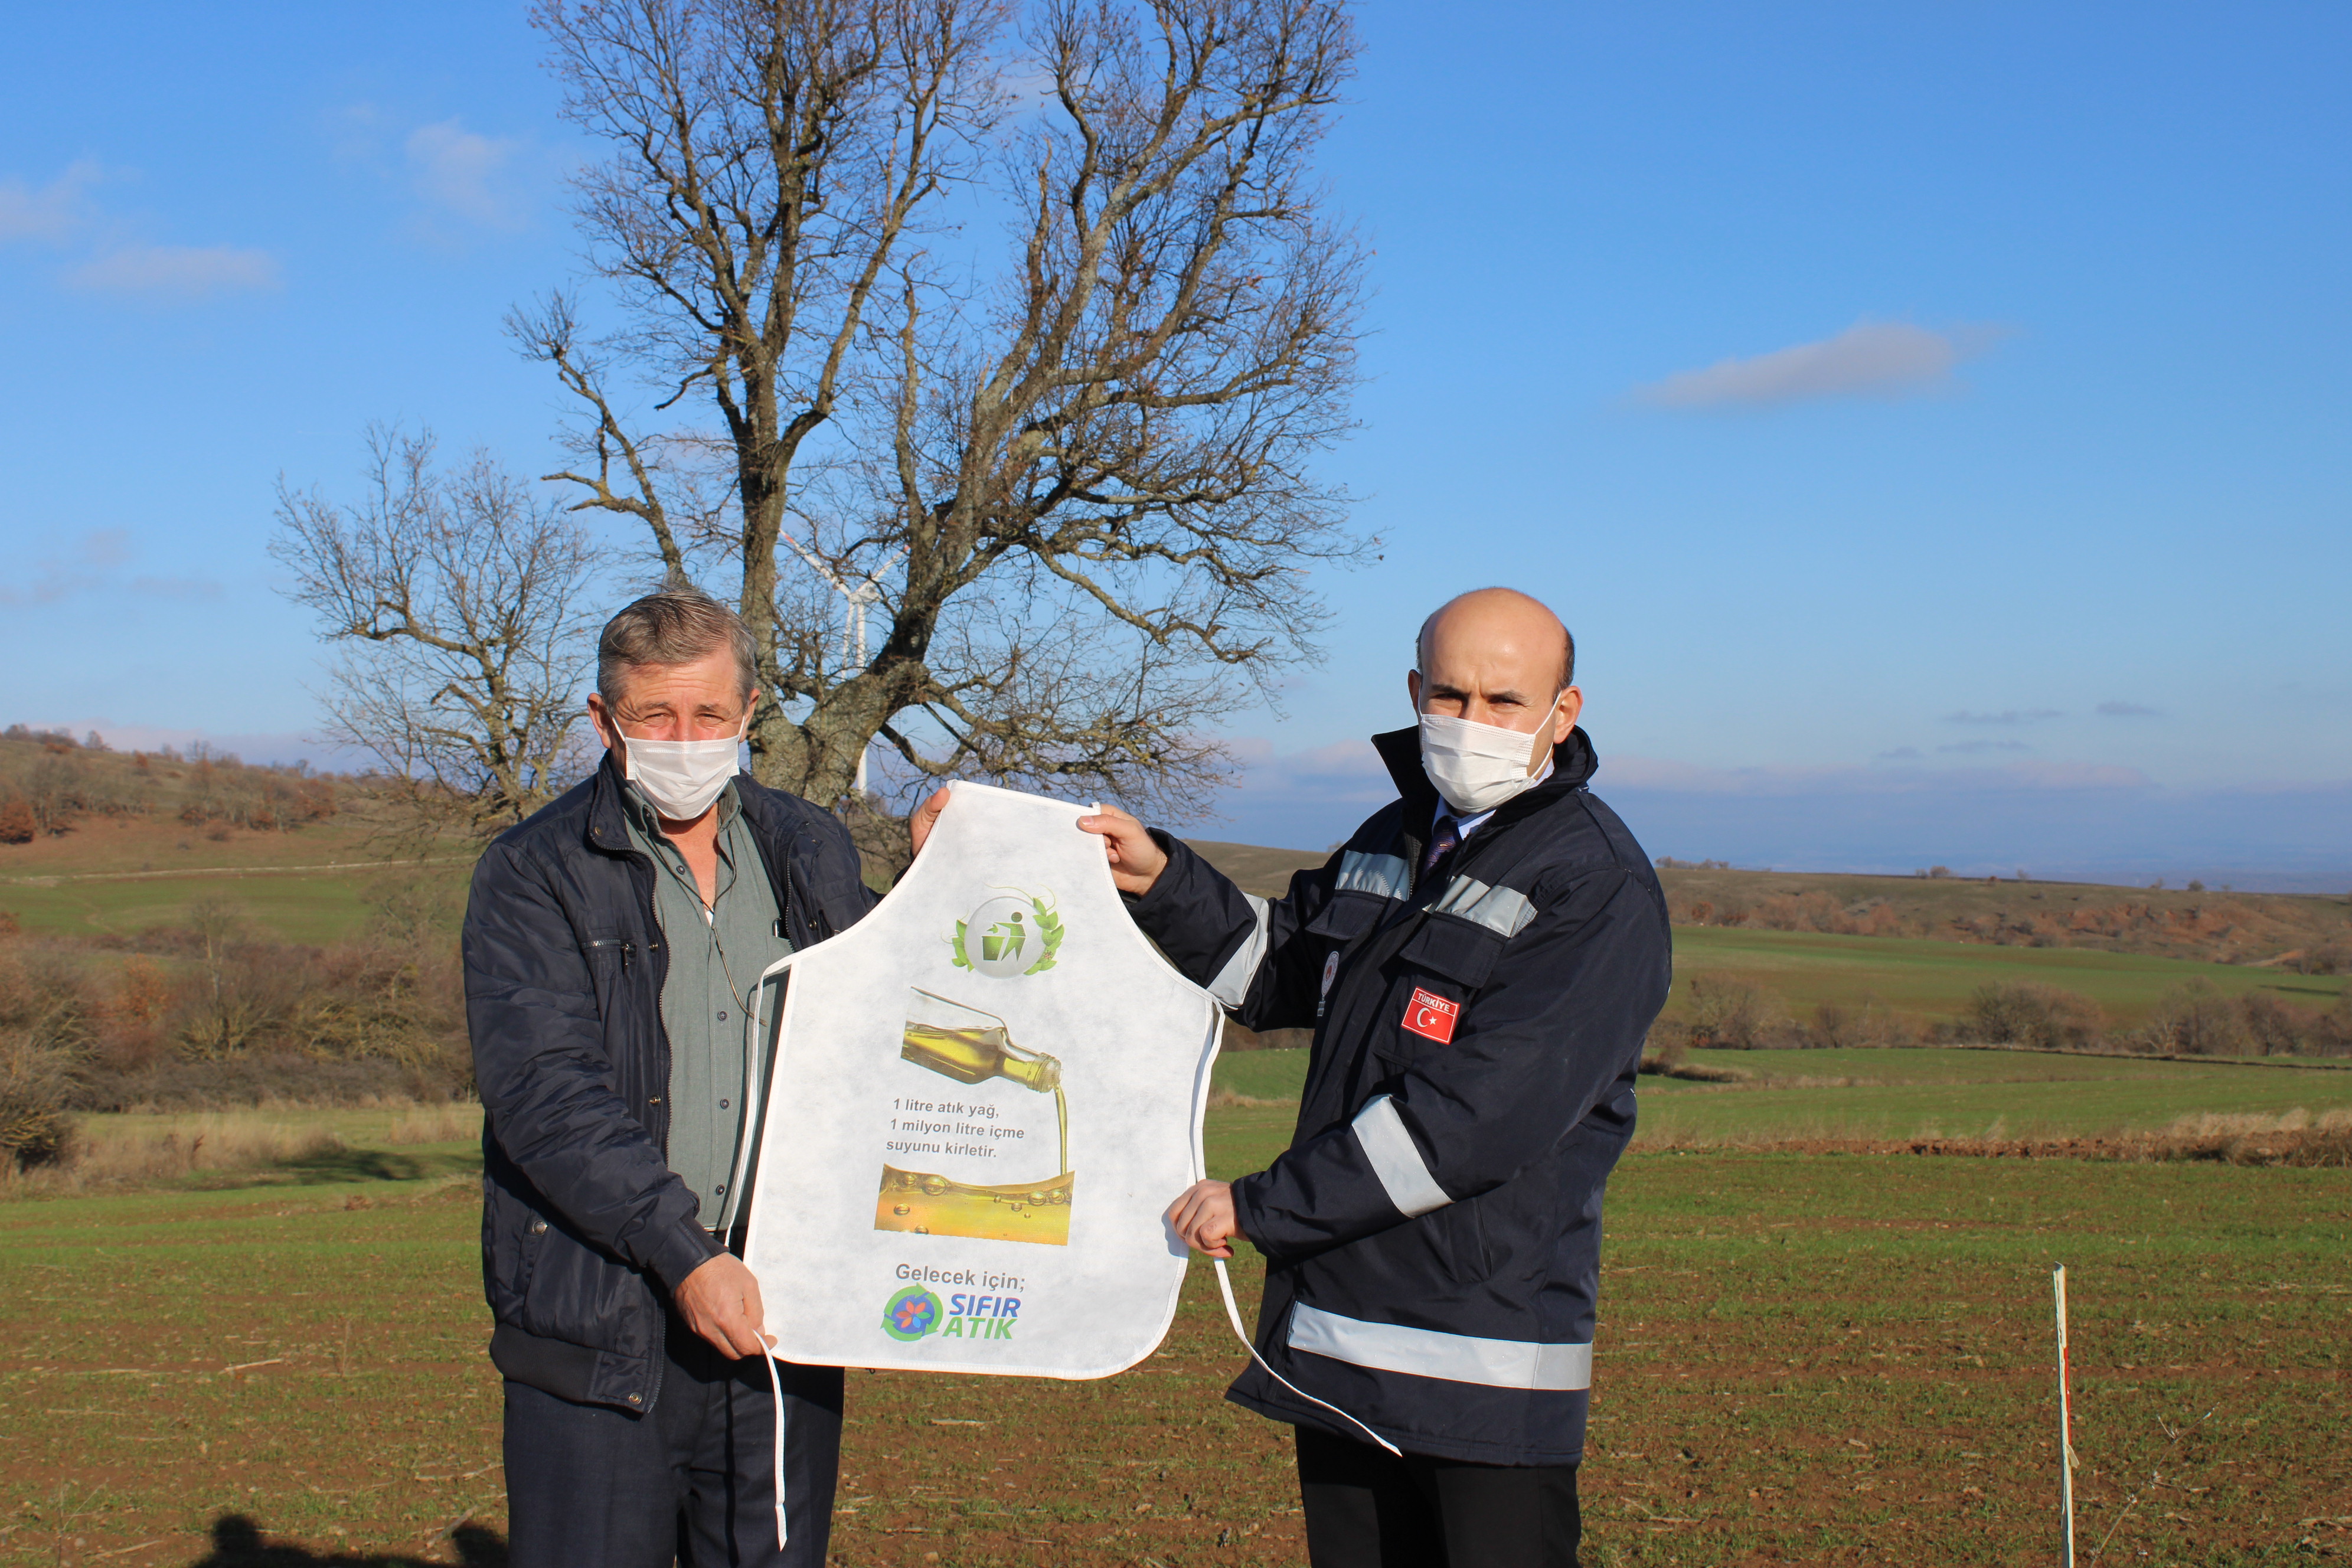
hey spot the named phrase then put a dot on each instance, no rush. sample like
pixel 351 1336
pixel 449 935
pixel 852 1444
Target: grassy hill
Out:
pixel 1922 949
pixel 120 875
pixel 97 843
pixel 2216 926
pixel 183 919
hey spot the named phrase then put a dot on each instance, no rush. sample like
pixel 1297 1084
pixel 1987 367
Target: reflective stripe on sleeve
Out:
pixel 1499 910
pixel 1385 876
pixel 1404 1174
pixel 1230 987
pixel 1426 1353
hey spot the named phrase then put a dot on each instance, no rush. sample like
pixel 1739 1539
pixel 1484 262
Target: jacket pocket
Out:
pixel 506 1253
pixel 1458 949
pixel 1346 917
pixel 1461 1241
pixel 614 963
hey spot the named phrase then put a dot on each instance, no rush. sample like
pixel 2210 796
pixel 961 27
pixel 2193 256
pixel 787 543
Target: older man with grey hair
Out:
pixel 613 946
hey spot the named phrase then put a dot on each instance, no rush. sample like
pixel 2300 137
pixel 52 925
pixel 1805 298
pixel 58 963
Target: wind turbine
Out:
pixel 857 602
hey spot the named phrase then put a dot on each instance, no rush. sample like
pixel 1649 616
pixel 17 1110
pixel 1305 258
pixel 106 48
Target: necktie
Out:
pixel 1441 842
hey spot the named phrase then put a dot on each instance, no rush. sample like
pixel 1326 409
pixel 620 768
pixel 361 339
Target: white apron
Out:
pixel 984 1095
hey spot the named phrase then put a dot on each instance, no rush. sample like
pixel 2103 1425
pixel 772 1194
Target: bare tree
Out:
pixel 460 594
pixel 1069 470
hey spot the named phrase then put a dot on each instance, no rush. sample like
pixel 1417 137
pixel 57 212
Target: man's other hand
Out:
pixel 925 818
pixel 1136 860
pixel 1204 1218
pixel 721 1301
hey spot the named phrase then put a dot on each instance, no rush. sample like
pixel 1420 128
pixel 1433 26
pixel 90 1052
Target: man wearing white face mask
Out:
pixel 614 945
pixel 1479 962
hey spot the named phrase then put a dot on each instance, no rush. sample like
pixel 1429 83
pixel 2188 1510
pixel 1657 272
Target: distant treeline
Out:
pixel 210 1013
pixel 2193 1019
pixel 47 779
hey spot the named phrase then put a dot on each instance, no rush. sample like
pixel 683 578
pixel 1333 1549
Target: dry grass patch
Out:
pixel 117 1153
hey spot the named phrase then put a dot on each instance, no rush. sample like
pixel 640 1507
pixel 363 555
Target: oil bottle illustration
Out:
pixel 971 1046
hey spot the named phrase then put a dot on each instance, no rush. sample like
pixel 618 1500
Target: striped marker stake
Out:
pixel 2066 1413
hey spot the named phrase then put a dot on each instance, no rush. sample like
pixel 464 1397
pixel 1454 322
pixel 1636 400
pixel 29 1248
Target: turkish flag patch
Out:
pixel 1430 1017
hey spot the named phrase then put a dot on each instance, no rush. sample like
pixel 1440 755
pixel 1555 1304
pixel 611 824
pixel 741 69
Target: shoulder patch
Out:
pixel 1431 1017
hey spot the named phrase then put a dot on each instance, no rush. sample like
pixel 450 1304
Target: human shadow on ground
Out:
pixel 237 1543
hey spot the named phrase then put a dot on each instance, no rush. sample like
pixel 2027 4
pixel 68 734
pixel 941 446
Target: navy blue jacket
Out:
pixel 1433 1232
pixel 585 1229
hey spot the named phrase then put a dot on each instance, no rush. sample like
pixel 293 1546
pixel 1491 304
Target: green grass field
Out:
pixel 1934 979
pixel 1805 1357
pixel 123 876
pixel 1914 1093
pixel 1813 1359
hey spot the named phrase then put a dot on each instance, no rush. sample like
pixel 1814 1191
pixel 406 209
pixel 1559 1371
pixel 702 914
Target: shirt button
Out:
pixel 722 1105
pixel 721 1189
pixel 722 1017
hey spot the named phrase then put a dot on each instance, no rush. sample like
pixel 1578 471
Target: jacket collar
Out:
pixel 1573 763
pixel 608 822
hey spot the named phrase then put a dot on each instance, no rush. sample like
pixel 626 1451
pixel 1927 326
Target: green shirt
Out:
pixel 710 999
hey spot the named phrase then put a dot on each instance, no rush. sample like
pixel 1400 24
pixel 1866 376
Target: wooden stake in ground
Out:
pixel 2065 1423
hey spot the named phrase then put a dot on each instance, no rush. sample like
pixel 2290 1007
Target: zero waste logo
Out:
pixel 1015 933
pixel 912 1313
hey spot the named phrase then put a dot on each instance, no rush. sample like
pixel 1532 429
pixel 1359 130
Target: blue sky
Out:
pixel 1931 419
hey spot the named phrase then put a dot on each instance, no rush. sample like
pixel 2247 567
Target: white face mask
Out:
pixel 680 777
pixel 1477 767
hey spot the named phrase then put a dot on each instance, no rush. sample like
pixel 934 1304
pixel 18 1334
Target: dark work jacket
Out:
pixel 585 1230
pixel 1433 1232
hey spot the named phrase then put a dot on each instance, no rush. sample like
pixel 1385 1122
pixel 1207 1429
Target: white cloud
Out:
pixel 51 212
pixel 463 173
pixel 2120 710
pixel 1972 748
pixel 1869 359
pixel 88 565
pixel 104 252
pixel 180 271
pixel 80 566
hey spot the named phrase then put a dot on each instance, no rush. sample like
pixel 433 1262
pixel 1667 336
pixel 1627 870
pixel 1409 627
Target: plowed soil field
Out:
pixel 1803 1358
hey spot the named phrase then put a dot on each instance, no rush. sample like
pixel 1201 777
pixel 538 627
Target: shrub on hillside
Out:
pixel 2327 958
pixel 1871 1023
pixel 48 1019
pixel 2195 1019
pixel 1666 1044
pixel 35 1081
pixel 1732 1014
pixel 2021 1012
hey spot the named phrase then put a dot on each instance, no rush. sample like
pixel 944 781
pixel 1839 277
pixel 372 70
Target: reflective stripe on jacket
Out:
pixel 1433 1232
pixel 585 1230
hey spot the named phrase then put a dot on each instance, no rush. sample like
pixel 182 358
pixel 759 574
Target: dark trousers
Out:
pixel 1366 1507
pixel 689 1481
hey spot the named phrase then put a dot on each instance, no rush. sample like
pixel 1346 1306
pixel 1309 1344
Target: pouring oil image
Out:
pixel 973 1047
